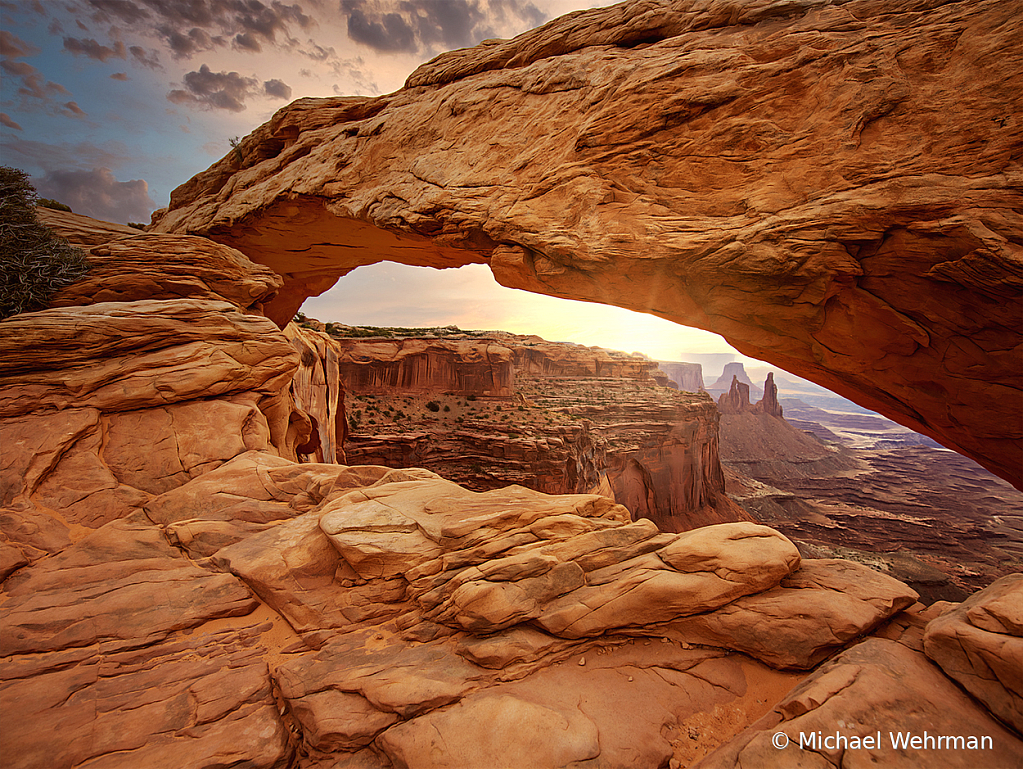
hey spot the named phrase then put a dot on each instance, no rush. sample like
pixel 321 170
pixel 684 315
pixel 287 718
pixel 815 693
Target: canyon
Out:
pixel 206 560
pixel 488 409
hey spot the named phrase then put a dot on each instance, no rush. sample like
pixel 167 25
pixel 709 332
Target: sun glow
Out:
pixel 390 294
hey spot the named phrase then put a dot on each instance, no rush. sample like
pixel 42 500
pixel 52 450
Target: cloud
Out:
pixel 97 193
pixel 43 155
pixel 277 89
pixel 418 26
pixel 215 90
pixel 14 47
pixel 247 42
pixel 123 76
pixel 71 109
pixel 184 46
pixel 6 120
pixel 189 27
pixel 32 84
pixel 150 59
pixel 92 49
pixel 122 10
pixel 386 32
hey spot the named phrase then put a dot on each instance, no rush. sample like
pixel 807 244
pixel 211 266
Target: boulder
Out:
pixel 813 612
pixel 979 643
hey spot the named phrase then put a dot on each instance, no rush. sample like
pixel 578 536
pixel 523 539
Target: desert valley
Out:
pixel 235 535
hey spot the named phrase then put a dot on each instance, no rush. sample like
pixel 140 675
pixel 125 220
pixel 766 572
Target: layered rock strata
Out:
pixel 581 419
pixel 457 367
pixel 806 179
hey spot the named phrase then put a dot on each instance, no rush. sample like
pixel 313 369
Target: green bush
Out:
pixel 56 205
pixel 433 406
pixel 34 262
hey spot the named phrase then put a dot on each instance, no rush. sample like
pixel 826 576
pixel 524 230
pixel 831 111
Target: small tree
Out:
pixel 34 262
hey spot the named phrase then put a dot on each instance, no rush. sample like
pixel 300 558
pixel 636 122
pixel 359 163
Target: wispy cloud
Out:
pixel 93 50
pixel 6 120
pixel 14 47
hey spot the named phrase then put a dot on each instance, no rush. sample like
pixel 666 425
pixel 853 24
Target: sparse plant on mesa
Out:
pixel 55 205
pixel 433 406
pixel 34 262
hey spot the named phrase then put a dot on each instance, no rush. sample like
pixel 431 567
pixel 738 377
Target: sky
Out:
pixel 109 105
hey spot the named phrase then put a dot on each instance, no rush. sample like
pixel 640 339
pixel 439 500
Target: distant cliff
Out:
pixel 688 376
pixel 488 410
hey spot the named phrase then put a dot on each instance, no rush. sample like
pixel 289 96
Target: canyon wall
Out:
pixel 425 366
pixel 573 419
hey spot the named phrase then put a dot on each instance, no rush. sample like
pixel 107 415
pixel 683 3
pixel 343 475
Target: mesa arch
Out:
pixel 833 186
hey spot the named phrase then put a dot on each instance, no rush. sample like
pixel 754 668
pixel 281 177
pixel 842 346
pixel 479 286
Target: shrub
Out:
pixel 137 225
pixel 34 262
pixel 433 406
pixel 470 397
pixel 447 408
pixel 56 205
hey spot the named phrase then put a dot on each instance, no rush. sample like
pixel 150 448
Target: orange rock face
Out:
pixel 833 187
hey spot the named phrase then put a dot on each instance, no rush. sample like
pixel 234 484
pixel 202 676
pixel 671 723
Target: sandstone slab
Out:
pixel 814 611
pixel 980 644
pixel 102 587
pixel 883 691
pixel 186 703
pixel 118 356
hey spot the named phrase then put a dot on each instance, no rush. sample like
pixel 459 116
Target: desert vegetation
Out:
pixel 34 262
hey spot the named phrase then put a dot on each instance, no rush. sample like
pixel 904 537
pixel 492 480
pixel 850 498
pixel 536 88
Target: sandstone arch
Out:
pixel 833 186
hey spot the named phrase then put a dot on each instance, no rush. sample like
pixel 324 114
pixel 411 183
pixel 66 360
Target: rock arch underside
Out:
pixel 834 187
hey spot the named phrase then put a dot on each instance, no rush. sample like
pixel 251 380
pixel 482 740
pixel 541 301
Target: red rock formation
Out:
pixel 318 390
pixel 806 179
pixel 769 403
pixel 736 400
pixel 426 366
pixel 733 370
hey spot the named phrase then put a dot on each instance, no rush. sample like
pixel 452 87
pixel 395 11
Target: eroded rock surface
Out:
pixel 980 644
pixel 831 186
pixel 884 691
